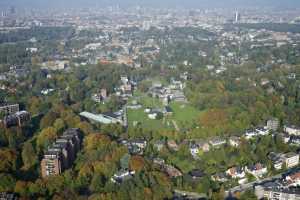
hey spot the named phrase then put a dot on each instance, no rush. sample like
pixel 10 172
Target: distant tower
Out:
pixel 12 10
pixel 237 17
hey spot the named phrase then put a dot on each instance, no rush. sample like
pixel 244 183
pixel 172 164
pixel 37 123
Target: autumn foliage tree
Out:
pixel 136 163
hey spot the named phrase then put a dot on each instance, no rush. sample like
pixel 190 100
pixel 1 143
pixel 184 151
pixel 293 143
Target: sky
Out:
pixel 154 3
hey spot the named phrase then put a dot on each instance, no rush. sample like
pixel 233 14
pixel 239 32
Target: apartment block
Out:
pixel 61 154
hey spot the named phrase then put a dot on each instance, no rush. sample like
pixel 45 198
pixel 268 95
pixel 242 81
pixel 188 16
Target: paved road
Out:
pixel 250 185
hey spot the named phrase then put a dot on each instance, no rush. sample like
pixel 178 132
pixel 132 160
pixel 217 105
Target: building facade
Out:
pixel 61 154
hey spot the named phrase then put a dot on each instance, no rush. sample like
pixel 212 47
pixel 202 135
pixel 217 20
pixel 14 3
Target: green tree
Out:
pixel 29 156
pixel 7 183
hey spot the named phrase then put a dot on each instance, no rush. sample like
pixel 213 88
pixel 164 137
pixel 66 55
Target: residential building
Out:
pixel 194 149
pixel 262 131
pixel 196 174
pixel 8 196
pixel 291 159
pixel 97 98
pixel 139 143
pixel 221 177
pixel 173 145
pixel 250 133
pixel 18 119
pixel 51 164
pixel 293 179
pixel 197 146
pixel 277 160
pixel 159 145
pixel 172 171
pixel 61 154
pixel 217 142
pixel 103 93
pixel 122 175
pixel 234 141
pixel 9 109
pixel 292 130
pixel 273 124
pixel 257 170
pixel 236 172
pixel 273 191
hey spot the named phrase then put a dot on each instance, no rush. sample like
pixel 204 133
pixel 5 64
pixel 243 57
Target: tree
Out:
pixel 98 182
pixel 248 195
pixel 29 156
pixel 48 119
pixel 136 163
pixel 46 137
pixel 21 188
pixel 7 183
pixel 8 160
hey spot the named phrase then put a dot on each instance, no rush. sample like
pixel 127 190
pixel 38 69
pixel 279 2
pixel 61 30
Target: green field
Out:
pixel 183 115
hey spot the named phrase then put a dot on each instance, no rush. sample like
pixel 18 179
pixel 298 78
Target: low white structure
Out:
pixel 292 130
pixel 105 118
pixel 291 159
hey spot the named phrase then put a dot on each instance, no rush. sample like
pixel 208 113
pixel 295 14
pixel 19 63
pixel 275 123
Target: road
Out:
pixel 250 185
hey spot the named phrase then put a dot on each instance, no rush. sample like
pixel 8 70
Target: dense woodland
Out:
pixel 230 103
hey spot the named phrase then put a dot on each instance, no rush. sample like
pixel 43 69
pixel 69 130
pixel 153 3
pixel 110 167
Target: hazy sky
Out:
pixel 157 3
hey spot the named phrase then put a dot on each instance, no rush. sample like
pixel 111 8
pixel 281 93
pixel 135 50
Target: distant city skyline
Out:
pixel 155 3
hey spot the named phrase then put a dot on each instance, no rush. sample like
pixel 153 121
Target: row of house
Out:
pixel 286 187
pixel 197 146
pixel 15 72
pixel 170 170
pixel 258 170
pixel 62 153
pixel 289 160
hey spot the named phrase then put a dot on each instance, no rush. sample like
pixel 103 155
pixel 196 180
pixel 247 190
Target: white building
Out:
pixel 257 170
pixel 234 141
pixel 292 130
pixel 291 159
pixel 273 124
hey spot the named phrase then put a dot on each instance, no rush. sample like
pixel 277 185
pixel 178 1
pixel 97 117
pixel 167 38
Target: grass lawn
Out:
pixel 183 115
pixel 147 124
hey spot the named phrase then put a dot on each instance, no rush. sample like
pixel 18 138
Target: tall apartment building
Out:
pixel 9 109
pixel 273 124
pixel 51 164
pixel 62 153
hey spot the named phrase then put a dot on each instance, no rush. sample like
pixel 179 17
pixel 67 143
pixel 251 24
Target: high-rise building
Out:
pixel 62 153
pixel 273 124
pixel 12 10
pixel 51 164
pixel 237 17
